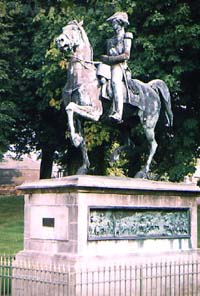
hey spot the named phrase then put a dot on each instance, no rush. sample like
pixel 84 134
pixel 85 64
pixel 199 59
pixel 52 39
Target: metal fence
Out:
pixel 6 274
pixel 155 279
pixel 152 279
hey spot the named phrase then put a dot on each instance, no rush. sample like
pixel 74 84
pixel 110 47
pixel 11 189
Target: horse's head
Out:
pixel 71 36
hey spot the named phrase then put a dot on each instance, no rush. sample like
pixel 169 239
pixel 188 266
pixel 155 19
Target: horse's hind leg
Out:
pixel 149 129
pixel 150 135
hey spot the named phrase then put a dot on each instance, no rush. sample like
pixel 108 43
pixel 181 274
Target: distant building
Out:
pixel 15 172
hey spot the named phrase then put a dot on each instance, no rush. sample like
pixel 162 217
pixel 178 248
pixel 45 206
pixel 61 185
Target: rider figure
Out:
pixel 118 52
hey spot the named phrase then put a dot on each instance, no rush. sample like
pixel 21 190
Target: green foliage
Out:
pixel 6 122
pixel 37 121
pixel 7 107
pixel 95 135
pixel 166 47
pixel 181 152
pixel 116 168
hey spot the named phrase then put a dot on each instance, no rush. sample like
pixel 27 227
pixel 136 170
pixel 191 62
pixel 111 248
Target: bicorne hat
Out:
pixel 121 16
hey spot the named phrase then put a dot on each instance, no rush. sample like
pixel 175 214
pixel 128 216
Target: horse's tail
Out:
pixel 161 87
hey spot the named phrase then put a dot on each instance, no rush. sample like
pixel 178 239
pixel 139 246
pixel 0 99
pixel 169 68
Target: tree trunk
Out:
pixel 46 162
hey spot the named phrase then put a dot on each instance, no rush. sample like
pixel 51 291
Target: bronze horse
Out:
pixel 83 98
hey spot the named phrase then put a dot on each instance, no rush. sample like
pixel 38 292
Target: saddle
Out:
pixel 134 97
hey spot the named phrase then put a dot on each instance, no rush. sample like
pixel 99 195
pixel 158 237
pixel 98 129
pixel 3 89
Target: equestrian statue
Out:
pixel 90 84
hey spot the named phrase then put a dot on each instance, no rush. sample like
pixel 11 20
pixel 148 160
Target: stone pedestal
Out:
pixel 79 217
pixel 98 221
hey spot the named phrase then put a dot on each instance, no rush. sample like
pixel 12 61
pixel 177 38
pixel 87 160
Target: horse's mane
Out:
pixel 84 36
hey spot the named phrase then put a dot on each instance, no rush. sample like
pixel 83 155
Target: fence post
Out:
pixel 71 282
pixel 141 280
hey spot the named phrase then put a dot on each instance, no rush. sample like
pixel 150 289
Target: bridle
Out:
pixel 72 46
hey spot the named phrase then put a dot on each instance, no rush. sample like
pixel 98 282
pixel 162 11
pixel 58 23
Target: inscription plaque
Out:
pixel 48 222
pixel 138 223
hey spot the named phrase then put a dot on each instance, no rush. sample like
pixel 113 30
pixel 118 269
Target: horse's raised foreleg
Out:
pixel 88 112
pixel 76 134
pixel 76 138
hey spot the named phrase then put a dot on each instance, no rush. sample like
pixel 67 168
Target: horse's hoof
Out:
pixel 141 175
pixel 77 140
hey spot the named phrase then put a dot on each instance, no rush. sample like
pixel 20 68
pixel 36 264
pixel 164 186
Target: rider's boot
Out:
pixel 116 116
pixel 117 87
pixel 118 109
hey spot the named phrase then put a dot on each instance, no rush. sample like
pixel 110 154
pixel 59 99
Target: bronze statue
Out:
pixel 84 97
pixel 118 53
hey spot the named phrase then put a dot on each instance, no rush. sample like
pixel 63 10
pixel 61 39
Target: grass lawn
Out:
pixel 11 224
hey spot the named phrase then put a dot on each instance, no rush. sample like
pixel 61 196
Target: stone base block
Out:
pixel 101 223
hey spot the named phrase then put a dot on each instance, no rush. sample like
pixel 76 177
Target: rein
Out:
pixel 83 62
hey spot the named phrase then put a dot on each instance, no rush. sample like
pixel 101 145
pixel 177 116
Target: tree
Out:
pixel 37 123
pixel 6 103
pixel 166 46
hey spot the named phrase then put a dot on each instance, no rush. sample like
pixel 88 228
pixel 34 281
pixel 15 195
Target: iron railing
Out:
pixel 156 279
pixel 181 278
pixel 6 274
